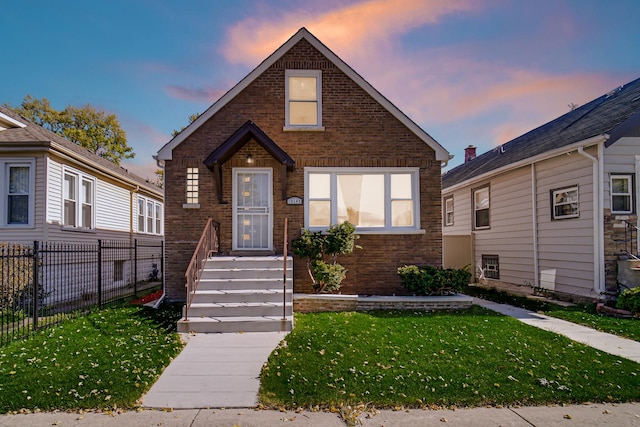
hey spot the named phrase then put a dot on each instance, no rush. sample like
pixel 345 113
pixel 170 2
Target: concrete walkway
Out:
pixel 214 371
pixel 603 341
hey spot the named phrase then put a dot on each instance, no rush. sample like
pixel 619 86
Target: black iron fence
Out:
pixel 43 283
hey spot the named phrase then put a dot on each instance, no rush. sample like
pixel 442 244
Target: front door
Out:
pixel 252 209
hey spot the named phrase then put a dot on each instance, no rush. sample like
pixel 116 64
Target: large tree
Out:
pixel 86 126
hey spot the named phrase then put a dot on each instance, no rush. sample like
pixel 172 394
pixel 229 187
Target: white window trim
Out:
pixel 473 202
pixel 145 201
pixel 4 190
pixel 553 202
pixel 629 177
pixel 303 73
pixel 387 229
pixel 192 202
pixel 446 211
pixel 79 178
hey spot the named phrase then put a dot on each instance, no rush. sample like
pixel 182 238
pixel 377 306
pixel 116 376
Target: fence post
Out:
pixel 99 273
pixel 35 284
pixel 135 267
pixel 162 265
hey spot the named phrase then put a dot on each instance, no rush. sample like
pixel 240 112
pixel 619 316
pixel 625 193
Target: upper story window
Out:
pixel 17 192
pixel 481 205
pixel 621 194
pixel 448 211
pixel 78 200
pixel 375 200
pixel 303 92
pixel 565 203
pixel 149 216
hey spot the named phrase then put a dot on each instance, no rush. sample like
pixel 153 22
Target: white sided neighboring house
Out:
pixel 555 208
pixel 52 190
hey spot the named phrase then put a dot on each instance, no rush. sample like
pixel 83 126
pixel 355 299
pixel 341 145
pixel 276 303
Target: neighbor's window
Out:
pixel 149 216
pixel 491 266
pixel 481 208
pixel 370 199
pixel 78 200
pixel 565 203
pixel 448 211
pixel 18 190
pixel 303 109
pixel 192 186
pixel 621 194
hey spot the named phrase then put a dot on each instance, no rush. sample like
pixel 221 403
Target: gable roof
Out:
pixel 165 153
pixel 26 135
pixel 239 138
pixel 610 116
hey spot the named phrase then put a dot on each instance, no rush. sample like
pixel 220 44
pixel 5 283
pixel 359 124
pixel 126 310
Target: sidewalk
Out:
pixel 603 341
pixel 619 415
pixel 214 371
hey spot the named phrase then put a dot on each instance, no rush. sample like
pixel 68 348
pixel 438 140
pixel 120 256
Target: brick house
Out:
pixel 556 208
pixel 304 137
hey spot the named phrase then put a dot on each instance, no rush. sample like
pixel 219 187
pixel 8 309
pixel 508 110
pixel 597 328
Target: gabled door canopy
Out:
pixel 235 142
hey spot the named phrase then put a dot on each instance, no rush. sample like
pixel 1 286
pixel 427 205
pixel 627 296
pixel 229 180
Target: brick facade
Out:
pixel 359 132
pixel 615 245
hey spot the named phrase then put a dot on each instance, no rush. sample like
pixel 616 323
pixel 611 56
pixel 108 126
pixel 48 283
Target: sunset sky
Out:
pixel 475 72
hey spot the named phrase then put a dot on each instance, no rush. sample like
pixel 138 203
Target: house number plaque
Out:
pixel 294 200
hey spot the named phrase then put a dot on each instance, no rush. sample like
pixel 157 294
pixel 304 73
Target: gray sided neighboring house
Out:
pixel 551 208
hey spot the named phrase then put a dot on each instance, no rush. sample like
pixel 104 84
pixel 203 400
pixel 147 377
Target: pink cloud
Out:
pixel 197 94
pixel 348 30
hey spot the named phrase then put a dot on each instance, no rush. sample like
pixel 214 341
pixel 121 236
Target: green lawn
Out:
pixel 471 358
pixel 106 359
pixel 582 314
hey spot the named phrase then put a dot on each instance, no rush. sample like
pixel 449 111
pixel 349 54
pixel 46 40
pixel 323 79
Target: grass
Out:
pixel 472 358
pixel 581 314
pixel 106 359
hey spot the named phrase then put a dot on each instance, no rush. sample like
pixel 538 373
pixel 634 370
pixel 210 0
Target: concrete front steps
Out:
pixel 242 294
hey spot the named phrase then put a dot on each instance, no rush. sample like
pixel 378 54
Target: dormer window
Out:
pixel 303 91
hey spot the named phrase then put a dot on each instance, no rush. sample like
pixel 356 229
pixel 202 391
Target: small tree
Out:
pixel 316 246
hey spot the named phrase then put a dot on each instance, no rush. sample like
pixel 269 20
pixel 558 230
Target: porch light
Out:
pixel 249 159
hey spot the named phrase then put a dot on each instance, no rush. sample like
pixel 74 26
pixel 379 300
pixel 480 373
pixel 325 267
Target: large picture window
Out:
pixel 621 194
pixel 371 199
pixel 481 205
pixel 303 109
pixel 17 193
pixel 78 200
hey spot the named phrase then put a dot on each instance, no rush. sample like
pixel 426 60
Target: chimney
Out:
pixel 469 153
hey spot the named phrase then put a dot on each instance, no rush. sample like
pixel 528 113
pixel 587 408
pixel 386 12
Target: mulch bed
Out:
pixel 147 298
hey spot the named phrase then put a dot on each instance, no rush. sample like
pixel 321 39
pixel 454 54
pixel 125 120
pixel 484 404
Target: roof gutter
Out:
pixel 530 160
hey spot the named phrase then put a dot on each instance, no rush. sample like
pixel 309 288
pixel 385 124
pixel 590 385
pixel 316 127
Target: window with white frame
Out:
pixel 621 194
pixel 149 216
pixel 565 203
pixel 376 200
pixel 192 186
pixel 17 192
pixel 481 205
pixel 78 199
pixel 448 211
pixel 303 107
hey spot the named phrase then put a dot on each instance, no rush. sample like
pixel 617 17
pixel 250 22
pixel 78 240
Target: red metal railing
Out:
pixel 208 244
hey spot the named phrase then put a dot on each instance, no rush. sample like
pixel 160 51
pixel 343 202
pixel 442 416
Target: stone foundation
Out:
pixel 310 303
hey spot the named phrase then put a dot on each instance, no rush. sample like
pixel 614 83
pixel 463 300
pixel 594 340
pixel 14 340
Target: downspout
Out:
pixel 598 219
pixel 534 205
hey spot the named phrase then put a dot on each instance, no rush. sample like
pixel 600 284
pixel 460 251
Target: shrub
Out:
pixel 316 246
pixel 629 300
pixel 433 280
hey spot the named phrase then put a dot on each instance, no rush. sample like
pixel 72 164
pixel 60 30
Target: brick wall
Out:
pixel 614 245
pixel 359 132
